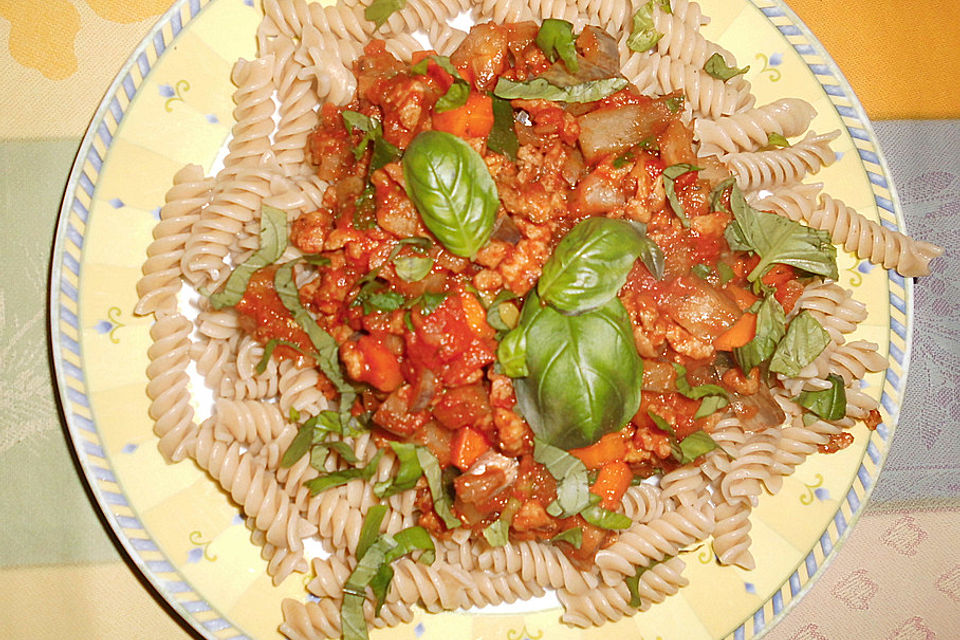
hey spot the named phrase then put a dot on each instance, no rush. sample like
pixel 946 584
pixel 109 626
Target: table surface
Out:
pixel 898 576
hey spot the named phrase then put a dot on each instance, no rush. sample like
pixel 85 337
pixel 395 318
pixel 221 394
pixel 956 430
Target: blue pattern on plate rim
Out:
pixel 65 331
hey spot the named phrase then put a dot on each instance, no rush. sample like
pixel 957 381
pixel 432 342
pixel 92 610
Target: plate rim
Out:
pixel 68 397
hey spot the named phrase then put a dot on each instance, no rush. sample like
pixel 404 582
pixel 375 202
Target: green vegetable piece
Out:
pixel 697 392
pixel 365 210
pixel 370 530
pixel 770 329
pixel 592 262
pixel 604 518
pixel 573 535
pixel 512 353
pixel 541 88
pixel 452 189
pixel 441 501
pixel 775 139
pixel 702 271
pixel 670 174
pixel 716 195
pixel 413 268
pixel 695 445
pixel 573 492
pixel 299 446
pixel 456 96
pixel 804 341
pixel 273 242
pixel 340 478
pixel 584 373
pixel 407 475
pixel 383 151
pixel 556 38
pixel 726 272
pixel 502 315
pixel 622 160
pixel 779 240
pixel 343 450
pixel 268 350
pixel 717 67
pixel 644 35
pixel 379 11
pixel 709 405
pixel 383 154
pixel 633 585
pixel 675 104
pixel 498 533
pixel 502 138
pixel 828 404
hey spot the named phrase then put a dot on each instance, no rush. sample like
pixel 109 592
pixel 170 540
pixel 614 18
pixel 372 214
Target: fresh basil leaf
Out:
pixel 323 423
pixel 497 534
pixel 770 329
pixel 268 349
pixel 273 242
pixel 456 96
pixel 716 195
pixel 709 405
pixel 717 67
pixel 370 530
pixel 674 104
pixel 828 404
pixel 695 445
pixel 573 536
pixel 573 492
pixel 407 475
pixel 702 271
pixel 501 315
pixel 584 373
pixel 299 446
pixel 591 263
pixel 540 88
pixel 670 174
pixel 605 519
pixel 779 240
pixel 804 341
pixel 356 121
pixel 512 353
pixel 379 11
pixel 726 272
pixel 502 138
pixel 428 301
pixel 339 478
pixel 441 500
pixel 383 153
pixel 412 539
pixel 633 585
pixel 413 268
pixel 555 38
pixel 385 301
pixel 775 139
pixel 452 189
pixel 342 448
pixel 644 35
pixel 442 61
pixel 665 426
pixel 621 161
pixel 697 392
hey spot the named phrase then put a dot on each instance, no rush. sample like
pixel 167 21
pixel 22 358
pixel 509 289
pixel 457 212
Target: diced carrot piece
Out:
pixel 612 482
pixel 742 332
pixel 778 274
pixel 468 445
pixel 609 448
pixel 476 315
pixel 472 120
pixel 417 56
pixel 380 367
pixel 743 297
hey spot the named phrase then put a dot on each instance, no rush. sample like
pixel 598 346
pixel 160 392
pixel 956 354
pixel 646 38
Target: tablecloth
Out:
pixel 898 576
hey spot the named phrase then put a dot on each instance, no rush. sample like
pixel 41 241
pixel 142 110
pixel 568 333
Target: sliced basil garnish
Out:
pixel 670 174
pixel 339 478
pixel 407 474
pixel 771 328
pixel 643 35
pixel 441 500
pixel 540 88
pixel 775 139
pixel 804 341
pixel 452 189
pixel 379 11
pixel 555 38
pixel 717 68
pixel 502 138
pixel 273 242
pixel 604 518
pixel 828 404
pixel 573 536
pixel 573 492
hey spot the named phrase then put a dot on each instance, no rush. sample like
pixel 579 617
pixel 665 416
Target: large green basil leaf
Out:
pixel 584 373
pixel 541 88
pixel 779 240
pixel 771 326
pixel 805 340
pixel 452 189
pixel 592 262
pixel 829 404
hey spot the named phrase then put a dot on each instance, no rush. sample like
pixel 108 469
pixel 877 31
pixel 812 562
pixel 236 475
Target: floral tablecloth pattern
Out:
pixel 898 575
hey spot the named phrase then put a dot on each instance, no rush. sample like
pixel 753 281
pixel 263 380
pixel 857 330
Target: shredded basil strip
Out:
pixel 573 536
pixel 695 445
pixel 670 174
pixel 718 68
pixel 775 139
pixel 502 138
pixel 633 584
pixel 573 492
pixel 716 195
pixel 383 151
pixel 370 530
pixel 379 11
pixel 497 534
pixel 273 242
pixel 604 518
pixel 702 271
pixel 407 475
pixel 540 88
pixel 697 392
pixel 441 501
pixel 342 448
pixel 828 404
pixel 643 35
pixel 299 446
pixel 770 329
pixel 804 341
pixel 726 272
pixel 268 353
pixel 412 268
pixel 709 405
pixel 339 478
pixel 455 97
pixel 779 240
pixel 555 38
pixel 666 427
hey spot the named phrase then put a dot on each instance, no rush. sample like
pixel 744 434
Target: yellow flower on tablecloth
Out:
pixel 42 35
pixel 125 12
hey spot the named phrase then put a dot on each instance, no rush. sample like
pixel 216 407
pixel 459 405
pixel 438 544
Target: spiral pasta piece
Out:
pixel 253 116
pixel 325 59
pixel 281 561
pixel 537 562
pixel 167 388
pixel 750 130
pixel 768 169
pixel 683 42
pixel 706 95
pixel 157 289
pixel 321 620
pixel 833 307
pixel 731 536
pixel 298 389
pixel 246 421
pixel 643 503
